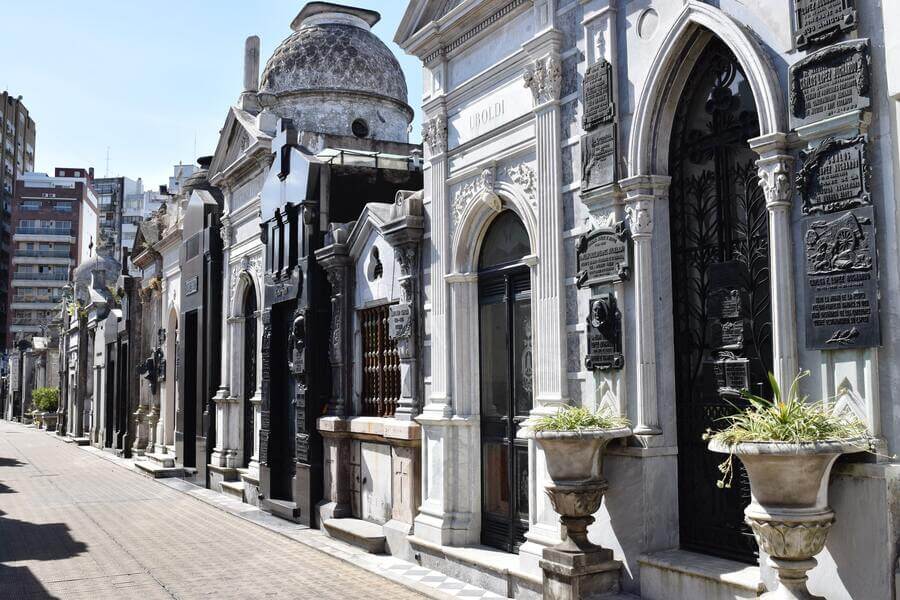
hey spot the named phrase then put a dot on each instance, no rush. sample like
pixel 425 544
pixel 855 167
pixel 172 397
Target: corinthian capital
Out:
pixel 639 213
pixel 775 180
pixel 434 134
pixel 544 78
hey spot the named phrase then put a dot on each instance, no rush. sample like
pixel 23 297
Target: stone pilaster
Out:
pixel 544 78
pixel 227 407
pixel 776 183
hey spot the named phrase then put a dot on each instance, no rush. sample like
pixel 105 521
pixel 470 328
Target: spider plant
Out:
pixel 789 419
pixel 576 418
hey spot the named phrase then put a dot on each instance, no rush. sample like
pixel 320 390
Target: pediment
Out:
pixel 421 12
pixel 238 134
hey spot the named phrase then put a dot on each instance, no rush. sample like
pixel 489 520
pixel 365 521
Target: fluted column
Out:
pixel 434 135
pixel 225 452
pixel 775 181
pixel 642 195
pixel 544 78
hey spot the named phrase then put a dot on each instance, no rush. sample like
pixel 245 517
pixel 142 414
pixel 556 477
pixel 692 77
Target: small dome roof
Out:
pixel 332 49
pixel 199 179
pixel 108 267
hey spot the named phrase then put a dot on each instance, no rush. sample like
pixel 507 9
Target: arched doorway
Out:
pixel 721 303
pixel 504 298
pixel 249 371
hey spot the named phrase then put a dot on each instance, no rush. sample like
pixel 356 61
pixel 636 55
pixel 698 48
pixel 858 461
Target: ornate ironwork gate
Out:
pixel 721 303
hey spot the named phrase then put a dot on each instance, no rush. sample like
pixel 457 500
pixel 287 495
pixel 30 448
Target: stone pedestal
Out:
pixel 570 576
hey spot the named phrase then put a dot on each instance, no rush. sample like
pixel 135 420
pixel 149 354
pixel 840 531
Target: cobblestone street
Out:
pixel 73 525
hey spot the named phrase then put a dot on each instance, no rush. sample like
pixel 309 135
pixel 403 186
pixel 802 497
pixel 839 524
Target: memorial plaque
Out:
pixel 829 82
pixel 604 334
pixel 603 255
pixel 191 286
pixel 400 321
pixel 835 176
pixel 821 21
pixel 841 279
pixel 732 372
pixel 597 95
pixel 598 157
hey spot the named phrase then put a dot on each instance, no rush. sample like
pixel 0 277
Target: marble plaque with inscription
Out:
pixel 829 82
pixel 597 99
pixel 400 321
pixel 603 256
pixel 841 280
pixel 599 157
pixel 834 176
pixel 821 21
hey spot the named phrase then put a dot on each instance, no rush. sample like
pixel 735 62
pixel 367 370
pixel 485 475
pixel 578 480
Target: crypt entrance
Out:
pixel 504 299
pixel 721 295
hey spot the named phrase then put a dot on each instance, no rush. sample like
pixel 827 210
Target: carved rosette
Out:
pixel 434 134
pixel 544 78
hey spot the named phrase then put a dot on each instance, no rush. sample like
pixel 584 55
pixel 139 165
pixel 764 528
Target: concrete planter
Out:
pixel 49 420
pixel 789 511
pixel 575 466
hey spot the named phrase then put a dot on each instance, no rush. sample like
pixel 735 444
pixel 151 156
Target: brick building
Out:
pixel 54 227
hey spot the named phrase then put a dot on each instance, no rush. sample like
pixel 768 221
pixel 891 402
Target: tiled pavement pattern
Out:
pixel 73 526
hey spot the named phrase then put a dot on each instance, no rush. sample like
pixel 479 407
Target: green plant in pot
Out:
pixel 46 400
pixel 788 446
pixel 573 440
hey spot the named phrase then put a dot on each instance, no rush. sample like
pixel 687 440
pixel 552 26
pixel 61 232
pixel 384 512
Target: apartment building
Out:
pixel 17 139
pixel 55 226
pixel 112 193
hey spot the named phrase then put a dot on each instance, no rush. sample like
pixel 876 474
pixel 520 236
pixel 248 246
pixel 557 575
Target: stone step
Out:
pixel 78 441
pixel 363 534
pixel 164 460
pixel 684 575
pixel 233 488
pixel 156 470
pixel 281 508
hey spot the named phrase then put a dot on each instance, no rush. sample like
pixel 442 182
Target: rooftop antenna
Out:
pixel 107 162
pixel 195 143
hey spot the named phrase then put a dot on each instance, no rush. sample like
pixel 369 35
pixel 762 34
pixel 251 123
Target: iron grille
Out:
pixel 381 364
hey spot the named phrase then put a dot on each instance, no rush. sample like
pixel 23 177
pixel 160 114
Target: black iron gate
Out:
pixel 720 261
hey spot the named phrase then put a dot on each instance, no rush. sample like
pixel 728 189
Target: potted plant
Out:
pixel 573 440
pixel 46 400
pixel 788 446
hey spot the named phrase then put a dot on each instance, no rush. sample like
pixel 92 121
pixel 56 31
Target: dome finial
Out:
pixel 317 13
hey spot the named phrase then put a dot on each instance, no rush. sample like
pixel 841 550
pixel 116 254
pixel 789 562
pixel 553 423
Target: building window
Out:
pixel 381 364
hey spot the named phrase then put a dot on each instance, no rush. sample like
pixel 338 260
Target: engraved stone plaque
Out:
pixel 841 279
pixel 829 82
pixel 603 255
pixel 400 321
pixel 191 286
pixel 820 21
pixel 598 157
pixel 732 372
pixel 597 100
pixel 604 334
pixel 835 176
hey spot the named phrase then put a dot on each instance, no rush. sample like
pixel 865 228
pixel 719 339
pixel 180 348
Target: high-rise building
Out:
pixel 113 193
pixel 17 138
pixel 180 173
pixel 55 227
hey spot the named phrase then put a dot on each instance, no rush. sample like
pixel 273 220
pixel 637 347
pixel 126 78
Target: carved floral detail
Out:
pixel 791 540
pixel 225 231
pixel 523 176
pixel 480 188
pixel 434 134
pixel 640 217
pixel 544 78
pixel 775 182
pixel 247 265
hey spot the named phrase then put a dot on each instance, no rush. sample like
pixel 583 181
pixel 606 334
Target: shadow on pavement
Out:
pixel 23 541
pixel 6 461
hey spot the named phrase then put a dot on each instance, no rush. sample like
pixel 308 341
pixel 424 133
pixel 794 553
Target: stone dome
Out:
pixel 200 178
pixel 333 50
pixel 107 271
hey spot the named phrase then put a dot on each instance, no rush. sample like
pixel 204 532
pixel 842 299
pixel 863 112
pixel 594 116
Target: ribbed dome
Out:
pixel 332 49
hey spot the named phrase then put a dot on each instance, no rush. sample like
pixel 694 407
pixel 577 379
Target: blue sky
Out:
pixel 145 78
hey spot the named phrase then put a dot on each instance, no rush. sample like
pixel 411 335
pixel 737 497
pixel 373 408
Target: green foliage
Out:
pixel 575 418
pixel 46 399
pixel 791 419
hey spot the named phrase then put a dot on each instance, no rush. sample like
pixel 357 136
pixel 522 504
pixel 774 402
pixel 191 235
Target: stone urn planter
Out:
pixel 576 568
pixel 789 512
pixel 49 419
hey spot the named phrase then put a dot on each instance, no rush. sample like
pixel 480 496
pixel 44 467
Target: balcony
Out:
pixel 43 231
pixel 43 253
pixel 32 276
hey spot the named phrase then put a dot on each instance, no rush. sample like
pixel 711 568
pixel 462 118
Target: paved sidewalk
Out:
pixel 75 526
